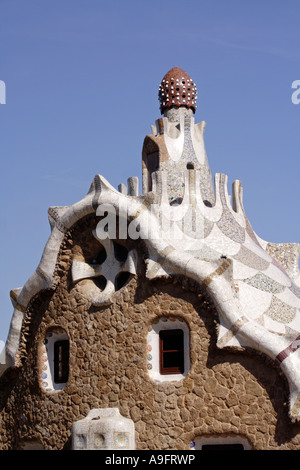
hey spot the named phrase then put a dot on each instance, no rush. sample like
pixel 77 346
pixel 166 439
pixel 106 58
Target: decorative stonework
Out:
pixel 103 429
pixel 109 267
pixel 177 89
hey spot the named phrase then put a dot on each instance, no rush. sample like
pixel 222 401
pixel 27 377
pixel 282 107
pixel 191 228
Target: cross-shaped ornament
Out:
pixel 109 269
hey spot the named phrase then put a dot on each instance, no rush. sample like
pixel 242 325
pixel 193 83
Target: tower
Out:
pixel 176 146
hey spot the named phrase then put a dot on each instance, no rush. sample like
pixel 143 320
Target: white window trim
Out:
pixel 47 360
pixel 170 323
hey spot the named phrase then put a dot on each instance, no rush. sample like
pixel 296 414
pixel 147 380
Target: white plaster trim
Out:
pixel 221 440
pixel 166 323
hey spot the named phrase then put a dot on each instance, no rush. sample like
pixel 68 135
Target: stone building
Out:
pixel 159 320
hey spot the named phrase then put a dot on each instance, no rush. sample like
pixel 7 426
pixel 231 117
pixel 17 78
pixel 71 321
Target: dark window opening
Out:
pixel 121 252
pixel 176 202
pixel 100 282
pixel 171 352
pixel 99 258
pixel 190 166
pixel 223 447
pixel 207 203
pixel 152 164
pixel 121 279
pixel 61 361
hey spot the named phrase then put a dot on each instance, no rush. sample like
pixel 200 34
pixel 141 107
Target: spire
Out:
pixel 177 89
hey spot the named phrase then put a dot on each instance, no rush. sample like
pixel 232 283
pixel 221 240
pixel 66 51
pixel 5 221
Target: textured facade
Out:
pixel 92 343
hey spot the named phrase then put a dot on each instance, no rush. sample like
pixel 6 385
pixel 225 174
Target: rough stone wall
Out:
pixel 225 392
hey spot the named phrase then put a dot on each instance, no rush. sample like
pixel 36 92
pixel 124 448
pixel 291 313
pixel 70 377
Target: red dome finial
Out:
pixel 177 89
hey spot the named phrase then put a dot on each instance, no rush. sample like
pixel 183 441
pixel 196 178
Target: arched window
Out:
pixel 230 442
pixel 168 350
pixel 171 352
pixel 54 360
pixel 61 361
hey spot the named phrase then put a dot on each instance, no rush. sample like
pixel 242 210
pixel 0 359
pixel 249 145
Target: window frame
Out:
pixel 179 367
pixel 172 322
pixel 61 361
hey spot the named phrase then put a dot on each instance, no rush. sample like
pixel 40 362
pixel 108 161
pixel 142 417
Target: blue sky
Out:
pixel 82 79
